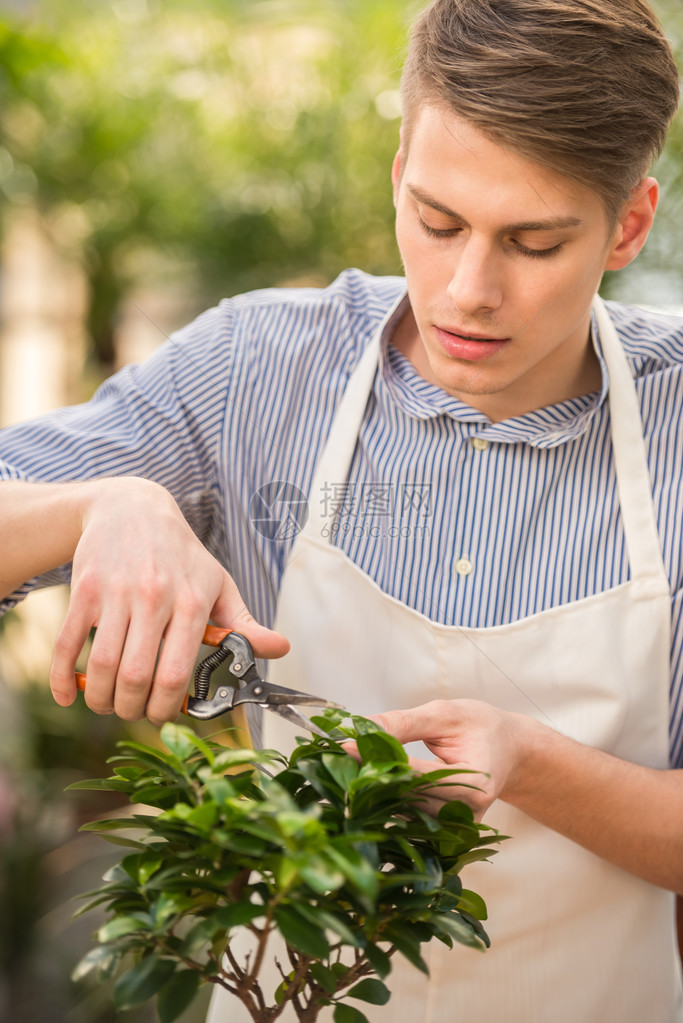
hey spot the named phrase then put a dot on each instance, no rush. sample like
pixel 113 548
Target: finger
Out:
pixel 182 641
pixel 136 668
pixel 231 612
pixel 68 645
pixel 352 749
pixel 105 657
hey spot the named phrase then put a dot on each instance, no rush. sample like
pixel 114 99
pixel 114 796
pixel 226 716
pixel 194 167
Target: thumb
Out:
pixel 404 725
pixel 427 723
pixel 231 612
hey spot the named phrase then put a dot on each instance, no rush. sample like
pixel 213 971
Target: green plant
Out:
pixel 334 854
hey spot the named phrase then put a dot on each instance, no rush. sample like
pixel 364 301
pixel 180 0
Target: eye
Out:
pixel 538 253
pixel 434 232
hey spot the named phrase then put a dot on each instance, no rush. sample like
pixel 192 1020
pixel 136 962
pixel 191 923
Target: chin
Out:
pixel 473 383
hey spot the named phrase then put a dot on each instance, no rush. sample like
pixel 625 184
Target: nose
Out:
pixel 476 283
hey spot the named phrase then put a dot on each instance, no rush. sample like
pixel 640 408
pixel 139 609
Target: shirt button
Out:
pixel 463 566
pixel 480 444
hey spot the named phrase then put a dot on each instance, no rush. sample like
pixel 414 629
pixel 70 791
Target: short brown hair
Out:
pixel 585 87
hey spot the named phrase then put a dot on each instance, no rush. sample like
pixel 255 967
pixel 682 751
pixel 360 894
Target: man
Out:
pixel 532 605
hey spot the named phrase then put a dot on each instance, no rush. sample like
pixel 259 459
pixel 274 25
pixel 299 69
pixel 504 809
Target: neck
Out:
pixel 566 375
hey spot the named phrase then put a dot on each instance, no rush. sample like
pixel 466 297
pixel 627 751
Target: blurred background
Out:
pixel 156 156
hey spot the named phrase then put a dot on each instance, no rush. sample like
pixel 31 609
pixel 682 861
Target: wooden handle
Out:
pixel 214 635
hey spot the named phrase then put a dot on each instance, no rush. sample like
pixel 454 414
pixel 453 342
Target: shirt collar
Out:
pixel 543 428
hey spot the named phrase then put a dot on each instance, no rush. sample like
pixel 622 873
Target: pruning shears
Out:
pixel 243 685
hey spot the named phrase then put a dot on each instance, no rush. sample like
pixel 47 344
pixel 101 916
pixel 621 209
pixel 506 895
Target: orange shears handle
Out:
pixel 213 636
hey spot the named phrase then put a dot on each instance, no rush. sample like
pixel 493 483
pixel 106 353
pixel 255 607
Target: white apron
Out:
pixel 574 939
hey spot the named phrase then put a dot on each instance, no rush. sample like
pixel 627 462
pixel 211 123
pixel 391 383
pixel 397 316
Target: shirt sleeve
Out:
pixel 161 419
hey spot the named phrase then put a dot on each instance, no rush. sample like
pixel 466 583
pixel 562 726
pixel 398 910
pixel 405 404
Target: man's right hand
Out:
pixel 140 576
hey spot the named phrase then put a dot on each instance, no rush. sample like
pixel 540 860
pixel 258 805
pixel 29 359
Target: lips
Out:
pixel 470 347
pixel 469 336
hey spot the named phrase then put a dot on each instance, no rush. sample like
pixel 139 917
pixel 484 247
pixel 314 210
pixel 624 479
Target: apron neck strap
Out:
pixel 634 485
pixel 335 461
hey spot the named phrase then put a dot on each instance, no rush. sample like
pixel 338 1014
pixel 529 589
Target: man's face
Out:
pixel 502 259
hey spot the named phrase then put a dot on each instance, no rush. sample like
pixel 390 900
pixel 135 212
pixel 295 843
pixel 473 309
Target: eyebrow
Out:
pixel 552 224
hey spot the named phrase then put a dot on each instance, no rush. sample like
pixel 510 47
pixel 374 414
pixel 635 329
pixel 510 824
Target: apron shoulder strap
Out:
pixel 633 475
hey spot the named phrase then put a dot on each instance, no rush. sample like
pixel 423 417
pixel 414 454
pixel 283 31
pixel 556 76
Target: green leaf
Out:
pixel 379 960
pixel 319 875
pixel 300 933
pixel 286 872
pixel 454 884
pixel 131 865
pixel 370 990
pixel 244 845
pixel 128 773
pixel 470 902
pixel 177 995
pixel 237 915
pixel 128 843
pixel 148 866
pixel 433 876
pixel 355 868
pixel 364 726
pixel 122 925
pixel 91 905
pixel 115 824
pixel 169 905
pixel 237 758
pixel 115 875
pixel 178 738
pixel 342 768
pixel 348 1014
pixel 400 935
pixel 457 811
pixel 159 793
pixel 141 982
pixel 155 758
pixel 324 977
pixel 282 989
pixel 381 748
pixel 208 749
pixel 459 928
pixel 102 959
pixel 98 784
pixel 203 817
pixel 474 856
pixel 332 922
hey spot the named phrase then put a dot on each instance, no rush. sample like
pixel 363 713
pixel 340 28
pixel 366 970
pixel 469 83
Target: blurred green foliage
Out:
pixel 656 278
pixel 245 142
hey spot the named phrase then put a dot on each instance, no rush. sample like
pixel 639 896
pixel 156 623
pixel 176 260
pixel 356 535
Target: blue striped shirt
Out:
pixel 468 522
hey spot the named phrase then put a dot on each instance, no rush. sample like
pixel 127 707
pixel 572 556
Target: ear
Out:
pixel 634 225
pixel 396 174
